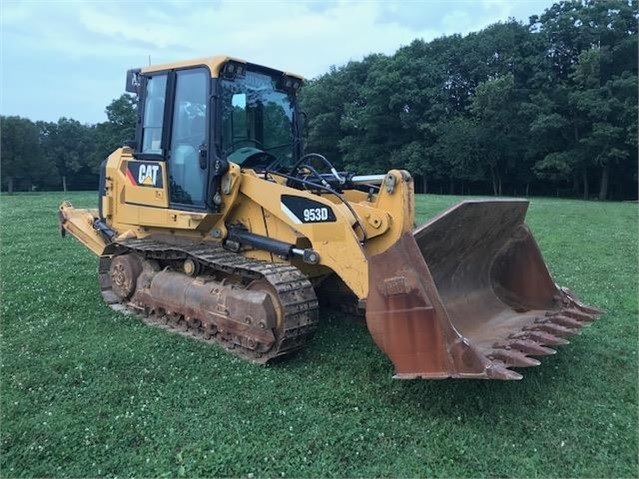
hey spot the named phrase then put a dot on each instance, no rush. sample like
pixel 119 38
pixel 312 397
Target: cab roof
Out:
pixel 214 64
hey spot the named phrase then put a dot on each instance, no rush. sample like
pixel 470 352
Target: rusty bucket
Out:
pixel 468 295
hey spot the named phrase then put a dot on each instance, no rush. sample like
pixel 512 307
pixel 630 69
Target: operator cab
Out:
pixel 196 117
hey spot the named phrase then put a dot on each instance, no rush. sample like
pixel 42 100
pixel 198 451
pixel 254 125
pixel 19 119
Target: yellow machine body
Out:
pixel 135 209
pixel 232 243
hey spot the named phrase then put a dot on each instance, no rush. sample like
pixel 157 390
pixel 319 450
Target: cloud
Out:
pixel 91 44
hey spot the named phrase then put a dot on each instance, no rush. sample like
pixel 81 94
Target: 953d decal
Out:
pixel 302 210
pixel 145 173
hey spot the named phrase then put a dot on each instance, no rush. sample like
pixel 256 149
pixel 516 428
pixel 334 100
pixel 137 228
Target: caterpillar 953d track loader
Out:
pixel 214 222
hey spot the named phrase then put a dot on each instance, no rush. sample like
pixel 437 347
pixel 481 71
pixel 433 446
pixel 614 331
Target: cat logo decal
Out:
pixel 145 173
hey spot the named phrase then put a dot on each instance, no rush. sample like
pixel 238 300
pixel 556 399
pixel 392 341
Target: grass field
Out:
pixel 88 392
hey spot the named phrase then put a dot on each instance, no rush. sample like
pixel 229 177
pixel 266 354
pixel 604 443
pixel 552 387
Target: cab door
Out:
pixel 187 149
pixel 170 168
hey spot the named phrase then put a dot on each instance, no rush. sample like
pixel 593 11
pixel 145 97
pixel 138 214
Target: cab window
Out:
pixel 187 178
pixel 153 114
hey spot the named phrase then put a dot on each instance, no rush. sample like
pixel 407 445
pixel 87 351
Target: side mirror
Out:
pixel 133 81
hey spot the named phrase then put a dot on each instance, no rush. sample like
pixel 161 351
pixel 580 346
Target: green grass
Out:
pixel 89 392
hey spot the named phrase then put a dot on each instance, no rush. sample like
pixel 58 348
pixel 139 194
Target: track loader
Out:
pixel 216 224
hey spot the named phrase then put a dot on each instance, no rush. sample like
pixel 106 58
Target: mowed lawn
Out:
pixel 89 392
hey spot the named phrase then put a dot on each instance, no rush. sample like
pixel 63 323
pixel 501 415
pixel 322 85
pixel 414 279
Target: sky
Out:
pixel 69 59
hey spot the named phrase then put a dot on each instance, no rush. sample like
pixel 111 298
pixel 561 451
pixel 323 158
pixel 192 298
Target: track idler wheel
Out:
pixel 124 272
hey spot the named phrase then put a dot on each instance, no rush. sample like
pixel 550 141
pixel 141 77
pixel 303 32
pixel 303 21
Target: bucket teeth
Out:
pixel 553 329
pixel 541 337
pixel 533 348
pixel 513 358
pixel 497 371
pixel 579 315
pixel 571 300
pixel 565 321
pixel 590 309
pixel 548 330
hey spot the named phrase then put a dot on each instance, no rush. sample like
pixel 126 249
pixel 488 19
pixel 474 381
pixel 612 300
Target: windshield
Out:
pixel 255 115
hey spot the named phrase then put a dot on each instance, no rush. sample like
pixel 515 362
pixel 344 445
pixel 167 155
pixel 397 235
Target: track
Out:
pixel 291 305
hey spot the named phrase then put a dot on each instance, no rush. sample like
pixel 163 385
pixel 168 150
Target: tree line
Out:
pixel 548 107
pixel 65 154
pixel 543 108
